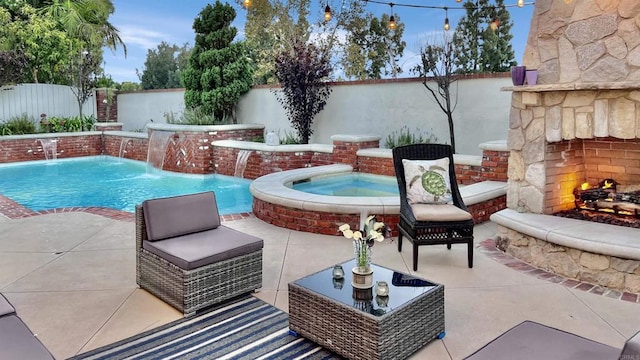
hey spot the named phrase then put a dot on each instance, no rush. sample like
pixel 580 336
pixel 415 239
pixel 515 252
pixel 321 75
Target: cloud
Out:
pixel 142 37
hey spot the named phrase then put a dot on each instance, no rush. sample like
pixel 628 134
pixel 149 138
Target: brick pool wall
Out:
pixel 30 148
pixel 132 148
pixel 494 167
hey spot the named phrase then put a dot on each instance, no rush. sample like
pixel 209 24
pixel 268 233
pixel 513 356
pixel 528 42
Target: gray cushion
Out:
pixel 5 306
pixel 180 215
pixel 17 341
pixel 631 348
pixel 192 251
pixel 533 341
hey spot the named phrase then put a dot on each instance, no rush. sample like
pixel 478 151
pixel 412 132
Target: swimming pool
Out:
pixel 350 185
pixel 110 182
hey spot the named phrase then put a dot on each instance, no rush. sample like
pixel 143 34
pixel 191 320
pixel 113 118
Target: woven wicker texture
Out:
pixel 192 290
pixel 355 334
pixel 430 232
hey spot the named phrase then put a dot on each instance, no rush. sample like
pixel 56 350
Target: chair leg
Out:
pixel 470 253
pixel 399 241
pixel 449 246
pixel 415 257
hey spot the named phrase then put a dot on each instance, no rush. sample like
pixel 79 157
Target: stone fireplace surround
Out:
pixel 580 123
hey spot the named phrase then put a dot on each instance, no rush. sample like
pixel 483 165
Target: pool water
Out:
pixel 351 185
pixel 111 182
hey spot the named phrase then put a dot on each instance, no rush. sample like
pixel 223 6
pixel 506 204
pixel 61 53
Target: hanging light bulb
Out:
pixel 392 19
pixel 327 13
pixel 446 19
pixel 520 3
pixel 246 3
pixel 458 0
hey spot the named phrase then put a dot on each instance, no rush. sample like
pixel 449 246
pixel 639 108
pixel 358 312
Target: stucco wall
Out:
pixel 372 107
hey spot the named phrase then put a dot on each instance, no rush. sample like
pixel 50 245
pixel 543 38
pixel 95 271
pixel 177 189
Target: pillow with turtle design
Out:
pixel 427 181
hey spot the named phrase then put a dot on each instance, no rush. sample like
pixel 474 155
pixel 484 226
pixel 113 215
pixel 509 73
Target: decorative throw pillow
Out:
pixel 427 181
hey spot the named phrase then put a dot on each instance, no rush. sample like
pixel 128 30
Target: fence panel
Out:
pixel 36 99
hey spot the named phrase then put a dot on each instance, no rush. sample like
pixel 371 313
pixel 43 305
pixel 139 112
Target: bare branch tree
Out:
pixel 437 65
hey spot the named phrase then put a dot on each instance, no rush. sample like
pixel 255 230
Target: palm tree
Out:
pixel 86 20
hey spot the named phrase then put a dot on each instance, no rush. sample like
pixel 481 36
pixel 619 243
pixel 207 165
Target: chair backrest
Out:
pixel 424 152
pixel 180 215
pixel 631 349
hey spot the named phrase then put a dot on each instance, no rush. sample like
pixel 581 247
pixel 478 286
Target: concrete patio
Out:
pixel 71 278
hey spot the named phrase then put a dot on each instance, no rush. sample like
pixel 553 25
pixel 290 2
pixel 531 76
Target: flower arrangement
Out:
pixel 363 240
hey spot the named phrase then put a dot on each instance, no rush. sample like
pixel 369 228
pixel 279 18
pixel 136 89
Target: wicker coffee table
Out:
pixel 358 324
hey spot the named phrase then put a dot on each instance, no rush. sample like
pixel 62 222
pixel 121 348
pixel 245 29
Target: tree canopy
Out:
pixel 482 38
pixel 219 71
pixel 50 35
pixel 372 50
pixel 164 66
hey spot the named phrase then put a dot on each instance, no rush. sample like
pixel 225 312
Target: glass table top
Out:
pixel 402 288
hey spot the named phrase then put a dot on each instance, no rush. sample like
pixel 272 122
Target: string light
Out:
pixel 392 19
pixel 446 19
pixel 492 25
pixel 327 13
pixel 246 3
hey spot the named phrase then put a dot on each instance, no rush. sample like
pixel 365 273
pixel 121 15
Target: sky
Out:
pixel 143 24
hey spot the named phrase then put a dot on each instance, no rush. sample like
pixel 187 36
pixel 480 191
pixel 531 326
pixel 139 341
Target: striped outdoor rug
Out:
pixel 246 329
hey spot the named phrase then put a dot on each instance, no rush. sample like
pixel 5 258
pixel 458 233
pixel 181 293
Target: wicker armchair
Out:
pixel 432 229
pixel 188 259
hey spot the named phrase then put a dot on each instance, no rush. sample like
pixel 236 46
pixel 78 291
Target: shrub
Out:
pixel 290 138
pixel 194 116
pixel 68 124
pixel 405 137
pixel 19 125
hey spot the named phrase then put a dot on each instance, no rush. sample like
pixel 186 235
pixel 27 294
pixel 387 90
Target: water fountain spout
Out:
pixel 241 162
pixel 123 146
pixel 49 148
pixel 158 141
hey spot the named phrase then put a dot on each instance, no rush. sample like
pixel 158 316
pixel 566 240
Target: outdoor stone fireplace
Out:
pixel 580 123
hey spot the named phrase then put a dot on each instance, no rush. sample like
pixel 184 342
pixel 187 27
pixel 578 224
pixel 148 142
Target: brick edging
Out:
pixel 489 248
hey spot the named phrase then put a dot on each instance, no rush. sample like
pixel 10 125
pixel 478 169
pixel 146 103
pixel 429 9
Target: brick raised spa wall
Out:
pixel 312 221
pixel 192 153
pixel 30 149
pixel 261 163
pixel 325 223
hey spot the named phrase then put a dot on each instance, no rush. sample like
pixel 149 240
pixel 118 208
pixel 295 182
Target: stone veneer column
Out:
pixel 345 147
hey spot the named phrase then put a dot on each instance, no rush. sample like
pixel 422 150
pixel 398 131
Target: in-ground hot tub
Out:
pixel 276 202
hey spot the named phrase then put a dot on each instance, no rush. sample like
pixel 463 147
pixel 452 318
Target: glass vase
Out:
pixel 362 254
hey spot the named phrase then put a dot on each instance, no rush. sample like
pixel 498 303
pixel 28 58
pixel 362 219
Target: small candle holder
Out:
pixel 338 272
pixel 338 283
pixel 382 288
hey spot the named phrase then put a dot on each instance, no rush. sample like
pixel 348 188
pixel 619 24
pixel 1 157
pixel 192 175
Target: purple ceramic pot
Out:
pixel 518 74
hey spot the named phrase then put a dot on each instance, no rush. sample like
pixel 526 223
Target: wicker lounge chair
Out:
pixel 188 259
pixel 432 224
pixel 533 341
